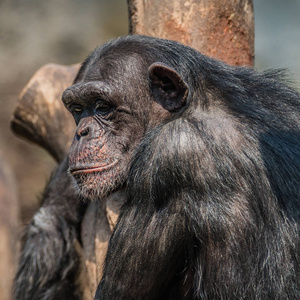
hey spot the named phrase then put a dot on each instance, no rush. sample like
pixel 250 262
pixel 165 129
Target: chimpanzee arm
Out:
pixel 145 258
pixel 50 261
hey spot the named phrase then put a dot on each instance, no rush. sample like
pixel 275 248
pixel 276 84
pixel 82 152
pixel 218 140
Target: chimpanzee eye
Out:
pixel 76 109
pixel 103 108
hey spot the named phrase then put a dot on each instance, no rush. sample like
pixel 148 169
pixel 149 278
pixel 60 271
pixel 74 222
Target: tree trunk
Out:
pixel 219 29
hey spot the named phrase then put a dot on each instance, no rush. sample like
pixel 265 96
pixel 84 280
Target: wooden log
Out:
pixel 40 116
pixel 97 226
pixel 219 29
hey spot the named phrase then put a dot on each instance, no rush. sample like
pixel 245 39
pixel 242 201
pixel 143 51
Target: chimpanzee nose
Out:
pixel 85 129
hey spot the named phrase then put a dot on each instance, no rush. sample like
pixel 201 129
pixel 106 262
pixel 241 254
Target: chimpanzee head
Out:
pixel 122 90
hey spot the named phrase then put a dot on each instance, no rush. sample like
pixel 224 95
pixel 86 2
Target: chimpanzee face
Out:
pixel 114 101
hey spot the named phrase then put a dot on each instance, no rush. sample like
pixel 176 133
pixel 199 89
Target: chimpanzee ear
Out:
pixel 168 88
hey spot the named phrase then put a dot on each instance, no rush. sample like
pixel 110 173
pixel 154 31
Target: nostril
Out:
pixel 85 128
pixel 83 132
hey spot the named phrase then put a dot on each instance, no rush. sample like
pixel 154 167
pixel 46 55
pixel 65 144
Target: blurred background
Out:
pixel 36 32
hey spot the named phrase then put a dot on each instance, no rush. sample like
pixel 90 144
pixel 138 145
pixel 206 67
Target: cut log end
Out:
pixel 40 116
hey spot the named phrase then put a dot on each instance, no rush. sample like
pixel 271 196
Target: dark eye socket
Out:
pixel 103 108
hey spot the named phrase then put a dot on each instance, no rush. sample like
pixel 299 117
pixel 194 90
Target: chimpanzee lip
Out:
pixel 84 169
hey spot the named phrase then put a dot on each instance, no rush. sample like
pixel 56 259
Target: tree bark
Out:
pixel 219 29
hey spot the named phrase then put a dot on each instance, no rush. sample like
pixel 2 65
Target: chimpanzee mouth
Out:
pixel 85 169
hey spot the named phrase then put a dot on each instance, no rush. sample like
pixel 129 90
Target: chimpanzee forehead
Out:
pixel 113 64
pixel 109 75
pixel 133 54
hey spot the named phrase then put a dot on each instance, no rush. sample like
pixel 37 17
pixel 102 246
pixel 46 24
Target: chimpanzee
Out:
pixel 209 155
